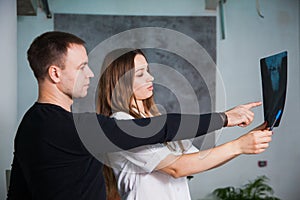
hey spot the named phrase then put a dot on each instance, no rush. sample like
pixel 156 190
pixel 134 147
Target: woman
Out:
pixel 156 171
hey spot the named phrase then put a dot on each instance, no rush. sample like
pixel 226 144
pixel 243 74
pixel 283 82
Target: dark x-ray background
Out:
pixel 274 81
pixel 96 28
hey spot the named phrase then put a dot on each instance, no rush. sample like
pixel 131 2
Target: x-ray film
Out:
pixel 274 81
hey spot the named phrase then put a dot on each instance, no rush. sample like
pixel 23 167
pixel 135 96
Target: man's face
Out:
pixel 75 78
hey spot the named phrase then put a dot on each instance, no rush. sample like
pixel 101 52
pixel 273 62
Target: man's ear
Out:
pixel 54 73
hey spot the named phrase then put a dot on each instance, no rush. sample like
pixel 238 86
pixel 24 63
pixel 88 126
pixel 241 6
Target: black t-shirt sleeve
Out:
pixel 173 127
pixel 18 187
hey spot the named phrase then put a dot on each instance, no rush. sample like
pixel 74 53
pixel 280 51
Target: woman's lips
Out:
pixel 150 87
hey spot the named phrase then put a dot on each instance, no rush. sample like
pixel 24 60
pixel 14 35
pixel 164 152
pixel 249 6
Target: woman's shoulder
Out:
pixel 121 115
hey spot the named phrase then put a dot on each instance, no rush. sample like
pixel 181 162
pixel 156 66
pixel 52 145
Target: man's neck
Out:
pixel 48 94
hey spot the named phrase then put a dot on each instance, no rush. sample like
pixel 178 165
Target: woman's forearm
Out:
pixel 188 164
pixel 254 142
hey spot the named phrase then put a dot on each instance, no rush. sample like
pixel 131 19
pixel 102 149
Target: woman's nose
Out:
pixel 150 78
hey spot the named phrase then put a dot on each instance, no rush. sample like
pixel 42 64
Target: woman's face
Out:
pixel 142 82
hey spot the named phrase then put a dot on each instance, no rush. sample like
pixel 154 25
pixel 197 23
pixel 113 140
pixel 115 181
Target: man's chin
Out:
pixel 81 95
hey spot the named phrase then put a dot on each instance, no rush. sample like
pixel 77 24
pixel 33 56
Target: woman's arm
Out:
pixel 254 142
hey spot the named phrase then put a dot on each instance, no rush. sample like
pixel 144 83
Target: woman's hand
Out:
pixel 254 142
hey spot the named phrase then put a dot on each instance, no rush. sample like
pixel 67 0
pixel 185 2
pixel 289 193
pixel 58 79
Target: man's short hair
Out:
pixel 48 49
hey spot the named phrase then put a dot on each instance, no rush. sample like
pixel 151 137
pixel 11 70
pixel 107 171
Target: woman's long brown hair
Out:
pixel 115 93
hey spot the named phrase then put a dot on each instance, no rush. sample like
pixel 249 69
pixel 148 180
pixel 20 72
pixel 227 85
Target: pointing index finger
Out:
pixel 253 104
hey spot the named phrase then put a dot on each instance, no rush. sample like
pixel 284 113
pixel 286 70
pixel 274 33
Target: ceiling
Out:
pixel 29 7
pixel 26 7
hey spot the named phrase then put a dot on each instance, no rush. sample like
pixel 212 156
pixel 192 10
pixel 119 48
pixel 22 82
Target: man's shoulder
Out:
pixel 44 110
pixel 47 123
pixel 45 116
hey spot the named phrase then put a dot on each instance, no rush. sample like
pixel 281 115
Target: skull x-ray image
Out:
pixel 274 82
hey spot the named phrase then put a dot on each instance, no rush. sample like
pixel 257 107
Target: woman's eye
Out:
pixel 139 74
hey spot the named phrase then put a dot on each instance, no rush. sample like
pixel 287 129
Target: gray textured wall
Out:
pixel 96 28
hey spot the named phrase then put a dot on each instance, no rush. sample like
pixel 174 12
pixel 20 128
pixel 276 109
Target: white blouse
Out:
pixel 135 171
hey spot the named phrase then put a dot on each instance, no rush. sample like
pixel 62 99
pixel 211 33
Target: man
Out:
pixel 50 160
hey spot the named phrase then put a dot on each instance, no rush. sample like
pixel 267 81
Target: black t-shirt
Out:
pixel 51 161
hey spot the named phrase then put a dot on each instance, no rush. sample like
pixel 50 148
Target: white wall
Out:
pixel 248 38
pixel 8 81
pixel 29 27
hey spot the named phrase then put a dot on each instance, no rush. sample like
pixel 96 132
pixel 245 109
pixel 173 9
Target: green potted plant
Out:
pixel 253 190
